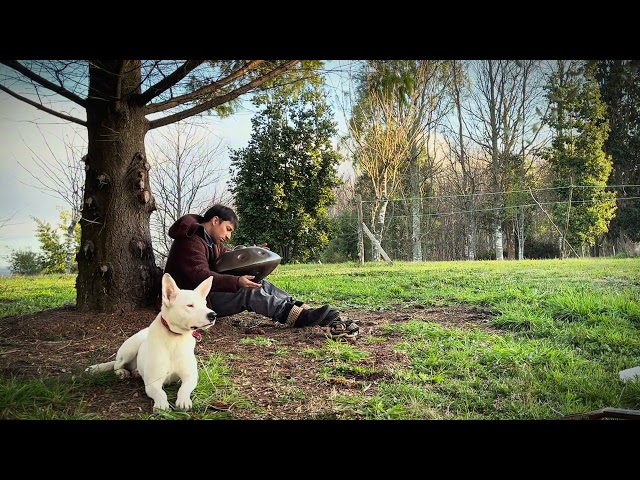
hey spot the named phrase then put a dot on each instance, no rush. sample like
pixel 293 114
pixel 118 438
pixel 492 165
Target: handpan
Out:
pixel 243 260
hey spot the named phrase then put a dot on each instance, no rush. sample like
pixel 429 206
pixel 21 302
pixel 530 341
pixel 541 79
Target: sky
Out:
pixel 27 134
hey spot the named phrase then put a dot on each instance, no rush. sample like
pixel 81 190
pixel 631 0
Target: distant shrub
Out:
pixel 534 249
pixel 343 243
pixel 486 255
pixel 25 262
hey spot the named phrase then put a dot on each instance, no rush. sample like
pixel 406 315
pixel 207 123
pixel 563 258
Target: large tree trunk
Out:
pixel 116 265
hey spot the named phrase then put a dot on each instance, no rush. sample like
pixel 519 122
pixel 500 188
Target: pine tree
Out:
pixel 619 82
pixel 583 208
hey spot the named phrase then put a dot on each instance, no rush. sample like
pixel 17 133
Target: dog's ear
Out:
pixel 169 288
pixel 205 287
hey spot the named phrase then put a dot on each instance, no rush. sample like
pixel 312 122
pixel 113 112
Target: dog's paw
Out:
pixel 122 373
pixel 161 405
pixel 185 404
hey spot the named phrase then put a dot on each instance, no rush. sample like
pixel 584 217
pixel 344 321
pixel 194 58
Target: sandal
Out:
pixel 343 329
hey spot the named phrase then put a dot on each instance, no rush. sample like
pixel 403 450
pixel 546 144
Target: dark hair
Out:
pixel 223 213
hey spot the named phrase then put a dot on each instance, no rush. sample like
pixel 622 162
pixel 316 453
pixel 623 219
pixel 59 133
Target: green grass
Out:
pixel 563 329
pixel 41 399
pixel 28 294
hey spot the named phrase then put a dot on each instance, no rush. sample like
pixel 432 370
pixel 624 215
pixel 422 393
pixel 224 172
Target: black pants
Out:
pixel 268 300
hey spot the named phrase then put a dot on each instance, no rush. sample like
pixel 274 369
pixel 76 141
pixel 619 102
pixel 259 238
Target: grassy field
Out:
pixel 563 331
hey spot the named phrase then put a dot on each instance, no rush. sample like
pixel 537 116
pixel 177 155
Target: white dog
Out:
pixel 164 352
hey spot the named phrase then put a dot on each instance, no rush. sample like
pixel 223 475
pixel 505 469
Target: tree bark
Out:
pixel 116 264
pixel 510 241
pixel 498 242
pixel 69 249
pixel 360 231
pixel 378 230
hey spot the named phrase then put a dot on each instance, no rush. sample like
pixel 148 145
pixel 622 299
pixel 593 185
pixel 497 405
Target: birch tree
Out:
pixel 397 102
pixel 464 173
pixel 381 147
pixel 495 124
pixel 423 105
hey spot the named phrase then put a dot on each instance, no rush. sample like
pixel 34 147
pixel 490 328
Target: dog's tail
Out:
pixel 101 367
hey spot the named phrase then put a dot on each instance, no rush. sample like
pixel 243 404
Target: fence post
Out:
pixel 360 232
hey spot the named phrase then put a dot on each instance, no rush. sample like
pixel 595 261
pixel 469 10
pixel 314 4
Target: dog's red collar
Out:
pixel 195 333
pixel 166 325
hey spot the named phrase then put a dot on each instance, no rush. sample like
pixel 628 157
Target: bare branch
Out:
pixel 4 221
pixel 58 178
pixel 168 82
pixel 43 108
pixel 63 92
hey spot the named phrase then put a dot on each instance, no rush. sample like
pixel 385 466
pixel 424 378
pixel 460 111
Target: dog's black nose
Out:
pixel 211 316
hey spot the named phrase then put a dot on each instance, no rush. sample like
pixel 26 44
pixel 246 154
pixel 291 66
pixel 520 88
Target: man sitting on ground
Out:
pixel 199 240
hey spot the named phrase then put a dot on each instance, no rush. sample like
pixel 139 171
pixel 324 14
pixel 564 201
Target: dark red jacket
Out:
pixel 191 259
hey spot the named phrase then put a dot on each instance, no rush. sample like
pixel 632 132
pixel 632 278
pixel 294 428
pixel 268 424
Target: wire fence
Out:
pixel 462 226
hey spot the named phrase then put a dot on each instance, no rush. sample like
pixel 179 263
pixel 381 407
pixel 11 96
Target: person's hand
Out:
pixel 246 281
pixel 263 245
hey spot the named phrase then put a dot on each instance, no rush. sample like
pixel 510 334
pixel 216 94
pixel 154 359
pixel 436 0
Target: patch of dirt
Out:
pixel 279 380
